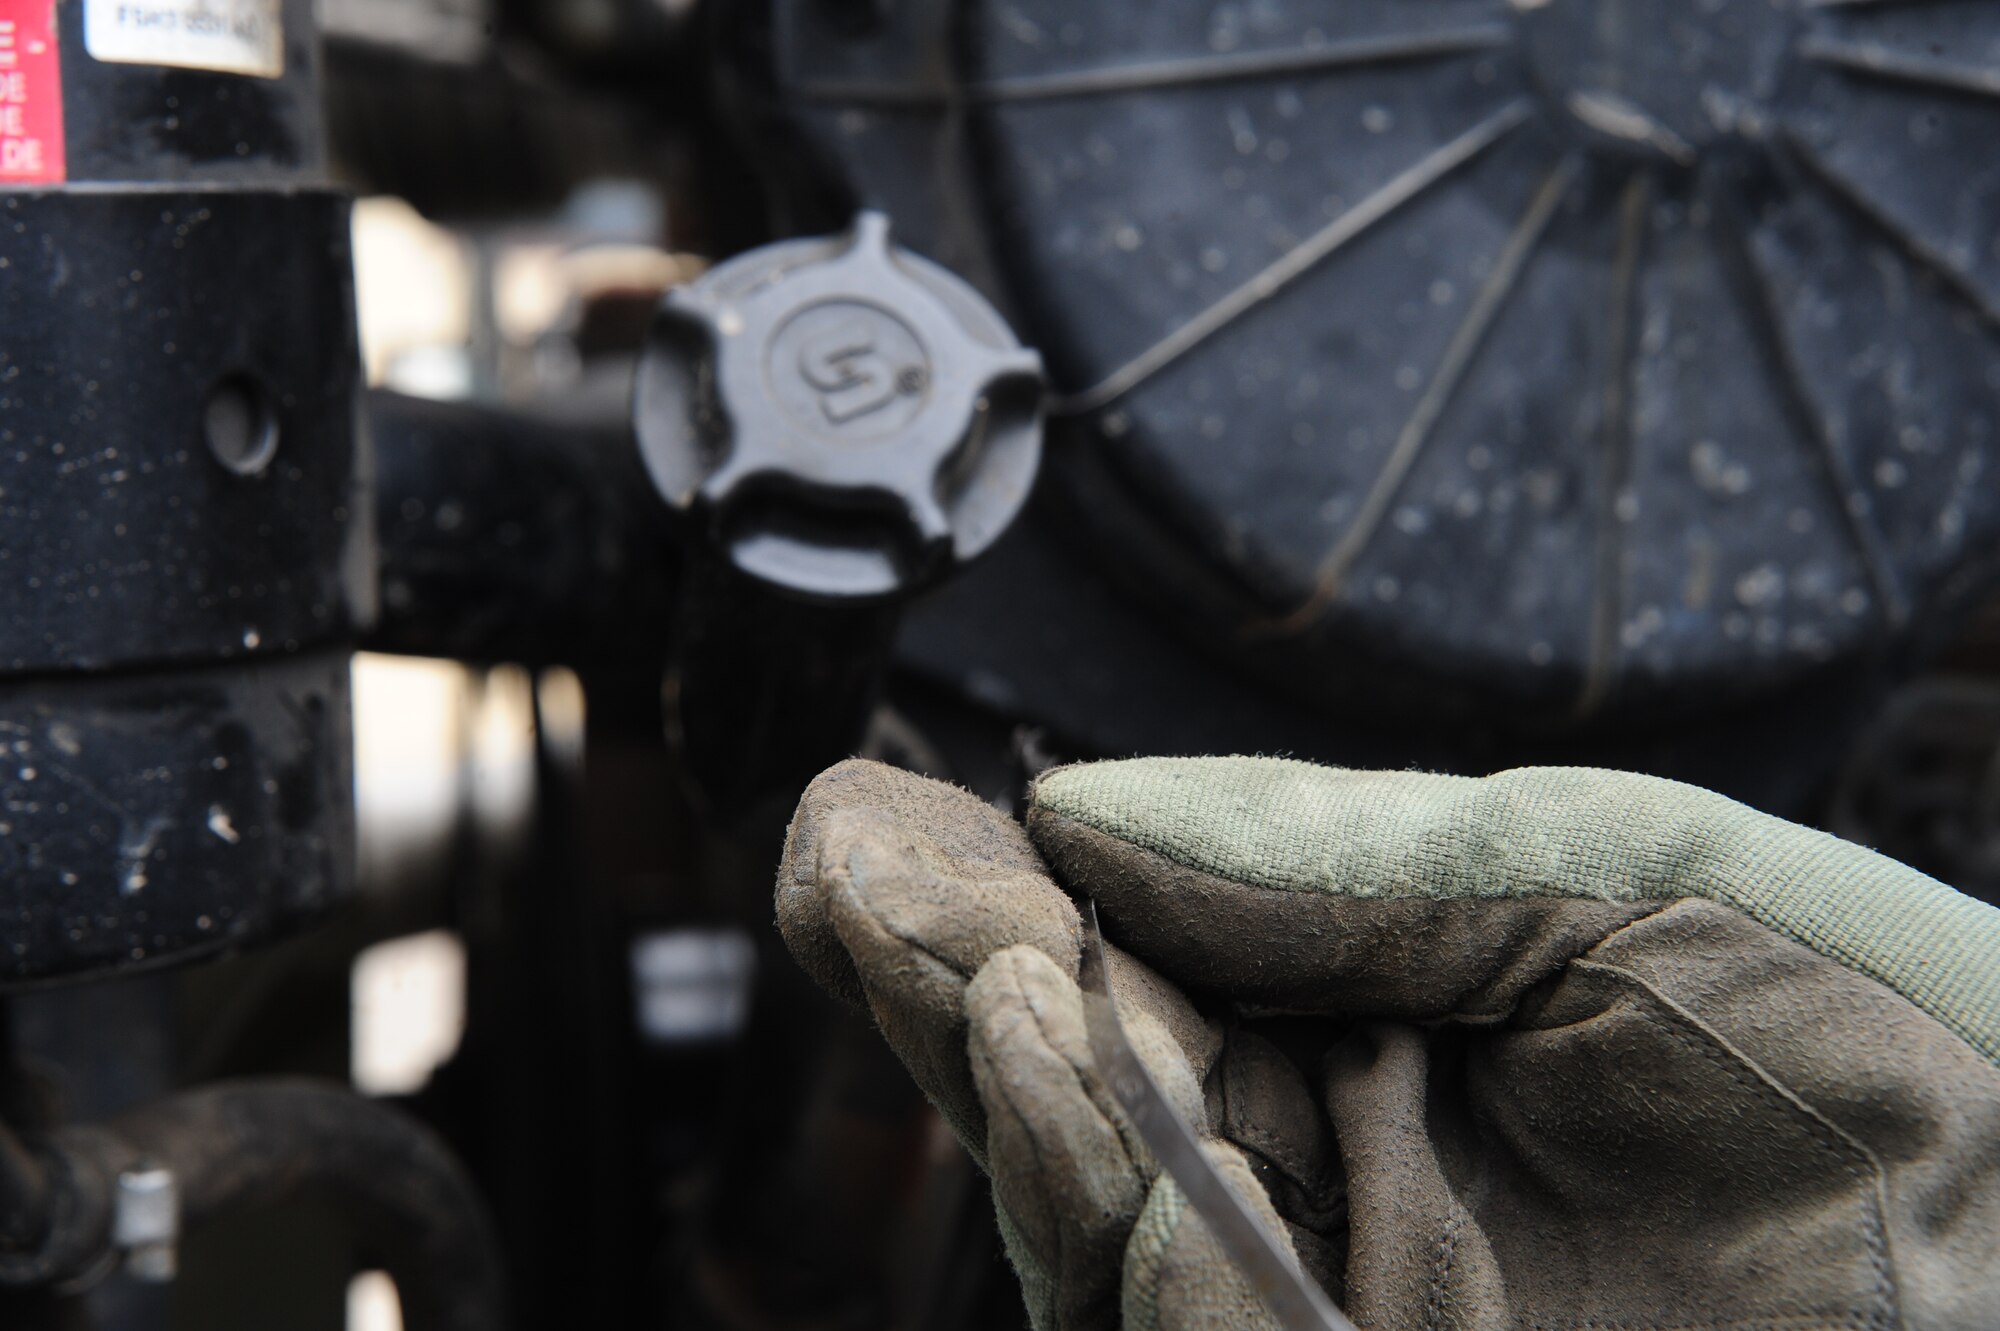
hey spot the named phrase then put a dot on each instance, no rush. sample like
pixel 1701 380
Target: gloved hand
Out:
pixel 1553 1049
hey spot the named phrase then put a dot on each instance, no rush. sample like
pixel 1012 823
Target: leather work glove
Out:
pixel 1557 1048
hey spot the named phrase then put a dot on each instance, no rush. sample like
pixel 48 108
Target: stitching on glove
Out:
pixel 1097 1096
pixel 1146 1253
pixel 1244 819
pixel 1246 1132
pixel 1045 1196
pixel 1802 1322
pixel 1441 1267
pixel 1704 1039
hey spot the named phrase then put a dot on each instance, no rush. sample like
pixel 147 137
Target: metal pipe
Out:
pixel 411 1208
pixel 506 538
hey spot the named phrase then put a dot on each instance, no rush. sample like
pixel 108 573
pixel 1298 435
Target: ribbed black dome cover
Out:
pixel 1579 352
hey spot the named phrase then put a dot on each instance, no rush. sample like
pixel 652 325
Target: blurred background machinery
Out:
pixel 639 386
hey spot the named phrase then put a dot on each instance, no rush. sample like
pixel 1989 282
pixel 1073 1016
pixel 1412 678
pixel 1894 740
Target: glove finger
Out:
pixel 1742 1083
pixel 895 890
pixel 1760 1084
pixel 1069 1172
pixel 976 839
pixel 1177 1277
pixel 1414 896
pixel 1263 1104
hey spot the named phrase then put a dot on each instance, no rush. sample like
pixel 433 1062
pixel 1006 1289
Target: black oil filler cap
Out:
pixel 842 418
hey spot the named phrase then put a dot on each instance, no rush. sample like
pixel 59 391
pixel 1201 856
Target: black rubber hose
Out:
pixel 24 1194
pixel 413 1212
pixel 26 1207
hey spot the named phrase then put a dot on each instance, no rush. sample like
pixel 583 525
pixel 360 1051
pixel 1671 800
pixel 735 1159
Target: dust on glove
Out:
pixel 1556 1048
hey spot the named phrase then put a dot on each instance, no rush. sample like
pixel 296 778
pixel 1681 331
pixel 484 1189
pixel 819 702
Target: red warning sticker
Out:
pixel 31 111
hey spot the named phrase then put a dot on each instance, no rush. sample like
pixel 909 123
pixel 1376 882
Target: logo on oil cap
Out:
pixel 848 370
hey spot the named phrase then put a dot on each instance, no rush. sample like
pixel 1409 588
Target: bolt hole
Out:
pixel 241 423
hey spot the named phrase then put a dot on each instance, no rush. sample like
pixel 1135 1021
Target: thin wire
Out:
pixel 1420 176
pixel 1141 76
pixel 1824 436
pixel 1437 395
pixel 1906 236
pixel 1890 63
pixel 1635 212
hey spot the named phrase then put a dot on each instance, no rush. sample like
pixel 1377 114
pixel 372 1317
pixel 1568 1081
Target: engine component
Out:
pixel 187 554
pixel 1566 360
pixel 845 420
pixel 124 1191
pixel 840 424
pixel 509 539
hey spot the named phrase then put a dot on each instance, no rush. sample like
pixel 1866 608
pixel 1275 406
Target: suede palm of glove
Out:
pixel 1552 1049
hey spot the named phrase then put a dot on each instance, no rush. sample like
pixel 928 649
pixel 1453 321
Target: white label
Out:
pixel 228 36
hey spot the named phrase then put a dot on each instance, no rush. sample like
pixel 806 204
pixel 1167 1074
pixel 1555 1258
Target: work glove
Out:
pixel 1557 1048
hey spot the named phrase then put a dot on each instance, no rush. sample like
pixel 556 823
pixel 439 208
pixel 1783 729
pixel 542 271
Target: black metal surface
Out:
pixel 182 484
pixel 491 139
pixel 613 38
pixel 178 466
pixel 149 123
pixel 155 817
pixel 1556 361
pixel 504 538
pixel 841 419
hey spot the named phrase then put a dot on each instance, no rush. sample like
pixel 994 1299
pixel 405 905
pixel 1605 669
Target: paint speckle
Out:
pixel 136 850
pixel 1760 586
pixel 1715 472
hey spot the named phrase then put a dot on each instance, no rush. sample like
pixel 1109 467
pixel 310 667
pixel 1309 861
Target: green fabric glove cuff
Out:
pixel 1550 832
